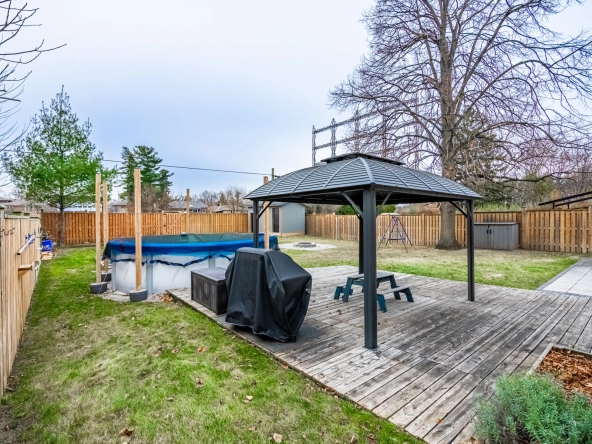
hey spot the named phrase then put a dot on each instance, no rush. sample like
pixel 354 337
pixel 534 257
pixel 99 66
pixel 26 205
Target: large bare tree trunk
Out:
pixel 448 228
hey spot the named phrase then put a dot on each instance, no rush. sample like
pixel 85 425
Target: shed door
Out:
pixel 275 219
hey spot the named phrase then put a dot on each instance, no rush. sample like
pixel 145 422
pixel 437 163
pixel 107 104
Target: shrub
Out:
pixel 348 210
pixel 528 409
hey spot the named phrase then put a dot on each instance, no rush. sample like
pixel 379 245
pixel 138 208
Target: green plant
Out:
pixel 348 210
pixel 528 409
pixel 492 206
pixel 386 208
pixel 345 210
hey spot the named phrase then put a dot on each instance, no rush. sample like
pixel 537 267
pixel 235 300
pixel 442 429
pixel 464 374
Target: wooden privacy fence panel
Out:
pixel 558 230
pixel 15 290
pixel 80 227
pixel 552 230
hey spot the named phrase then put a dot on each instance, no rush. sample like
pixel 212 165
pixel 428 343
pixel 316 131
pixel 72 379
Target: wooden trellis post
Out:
pixel 138 221
pixel 105 221
pixel 98 227
pixel 187 200
pixel 265 221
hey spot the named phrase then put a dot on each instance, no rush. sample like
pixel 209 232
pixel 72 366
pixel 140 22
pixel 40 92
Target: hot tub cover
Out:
pixel 197 246
pixel 268 292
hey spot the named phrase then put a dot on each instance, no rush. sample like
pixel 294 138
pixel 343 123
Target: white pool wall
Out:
pixel 156 277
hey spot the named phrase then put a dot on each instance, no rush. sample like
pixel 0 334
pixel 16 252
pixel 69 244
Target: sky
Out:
pixel 231 85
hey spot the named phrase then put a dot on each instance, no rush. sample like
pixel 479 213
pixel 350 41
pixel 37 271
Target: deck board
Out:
pixel 435 355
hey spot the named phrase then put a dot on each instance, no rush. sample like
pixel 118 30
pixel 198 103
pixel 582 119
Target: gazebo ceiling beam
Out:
pixel 458 208
pixel 264 208
pixel 354 206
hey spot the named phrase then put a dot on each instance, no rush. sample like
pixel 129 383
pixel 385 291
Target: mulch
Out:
pixel 571 368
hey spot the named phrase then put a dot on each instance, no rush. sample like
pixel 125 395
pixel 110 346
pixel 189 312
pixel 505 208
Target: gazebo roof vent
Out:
pixel 348 156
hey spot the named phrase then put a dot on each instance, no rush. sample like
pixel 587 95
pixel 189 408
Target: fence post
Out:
pixel 589 228
pixel 523 229
pixel 424 229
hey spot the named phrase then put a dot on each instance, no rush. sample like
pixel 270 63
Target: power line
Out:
pixel 200 169
pixel 190 168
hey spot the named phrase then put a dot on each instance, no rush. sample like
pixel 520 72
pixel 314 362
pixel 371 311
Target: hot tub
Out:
pixel 167 261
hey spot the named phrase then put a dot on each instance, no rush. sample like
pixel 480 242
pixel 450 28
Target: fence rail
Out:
pixel 80 227
pixel 15 290
pixel 542 230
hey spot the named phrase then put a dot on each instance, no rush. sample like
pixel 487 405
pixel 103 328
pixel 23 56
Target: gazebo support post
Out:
pixel 470 249
pixel 361 244
pixel 255 224
pixel 369 252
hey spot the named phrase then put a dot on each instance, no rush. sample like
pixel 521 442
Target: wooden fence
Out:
pixel 15 290
pixel 542 230
pixel 80 227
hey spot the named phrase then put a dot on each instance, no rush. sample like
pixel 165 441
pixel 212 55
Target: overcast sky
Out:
pixel 229 85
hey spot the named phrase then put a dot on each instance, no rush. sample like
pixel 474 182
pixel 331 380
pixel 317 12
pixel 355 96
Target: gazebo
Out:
pixel 363 181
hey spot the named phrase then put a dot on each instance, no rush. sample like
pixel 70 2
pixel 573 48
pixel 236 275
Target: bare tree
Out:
pixel 208 197
pixel 433 63
pixel 234 197
pixel 14 17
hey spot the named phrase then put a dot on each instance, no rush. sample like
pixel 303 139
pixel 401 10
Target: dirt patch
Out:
pixel 10 426
pixel 493 275
pixel 571 368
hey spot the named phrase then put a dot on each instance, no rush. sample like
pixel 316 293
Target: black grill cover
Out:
pixel 268 292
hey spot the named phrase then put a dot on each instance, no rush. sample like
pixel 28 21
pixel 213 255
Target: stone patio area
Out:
pixel 577 279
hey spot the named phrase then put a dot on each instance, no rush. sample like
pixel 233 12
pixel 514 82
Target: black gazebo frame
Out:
pixel 362 181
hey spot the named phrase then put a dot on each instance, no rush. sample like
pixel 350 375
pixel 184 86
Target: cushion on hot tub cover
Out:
pixel 268 292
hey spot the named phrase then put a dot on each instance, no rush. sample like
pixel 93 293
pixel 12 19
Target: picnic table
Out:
pixel 381 276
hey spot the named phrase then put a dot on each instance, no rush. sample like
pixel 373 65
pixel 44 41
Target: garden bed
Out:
pixel 573 368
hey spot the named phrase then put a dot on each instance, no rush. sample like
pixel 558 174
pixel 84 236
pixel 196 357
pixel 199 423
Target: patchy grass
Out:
pixel 519 269
pixel 88 368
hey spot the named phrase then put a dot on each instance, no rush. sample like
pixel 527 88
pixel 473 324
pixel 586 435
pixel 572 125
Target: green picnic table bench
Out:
pixel 381 276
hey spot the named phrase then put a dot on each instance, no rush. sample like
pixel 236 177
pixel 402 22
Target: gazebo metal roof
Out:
pixel 365 181
pixel 352 173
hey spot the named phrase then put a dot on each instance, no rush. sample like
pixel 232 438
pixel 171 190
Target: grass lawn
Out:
pixel 89 368
pixel 519 269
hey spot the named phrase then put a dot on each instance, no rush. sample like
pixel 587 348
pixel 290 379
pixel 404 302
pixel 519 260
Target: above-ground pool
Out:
pixel 167 261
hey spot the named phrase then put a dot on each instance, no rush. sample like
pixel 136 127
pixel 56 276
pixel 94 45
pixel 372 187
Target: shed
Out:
pixel 363 181
pixel 287 218
pixel 496 235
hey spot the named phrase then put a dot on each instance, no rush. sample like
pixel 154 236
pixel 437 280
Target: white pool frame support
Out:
pixel 113 276
pixel 149 274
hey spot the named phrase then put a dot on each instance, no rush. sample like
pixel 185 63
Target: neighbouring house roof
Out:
pixel 350 174
pixel 119 203
pixel 219 209
pixel 19 203
pixel 276 204
pixel 180 204
pixel 6 199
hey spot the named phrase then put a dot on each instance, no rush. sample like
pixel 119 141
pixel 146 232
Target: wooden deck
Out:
pixel 436 355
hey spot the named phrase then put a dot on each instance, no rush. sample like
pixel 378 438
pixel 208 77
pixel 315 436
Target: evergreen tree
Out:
pixel 56 163
pixel 156 181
